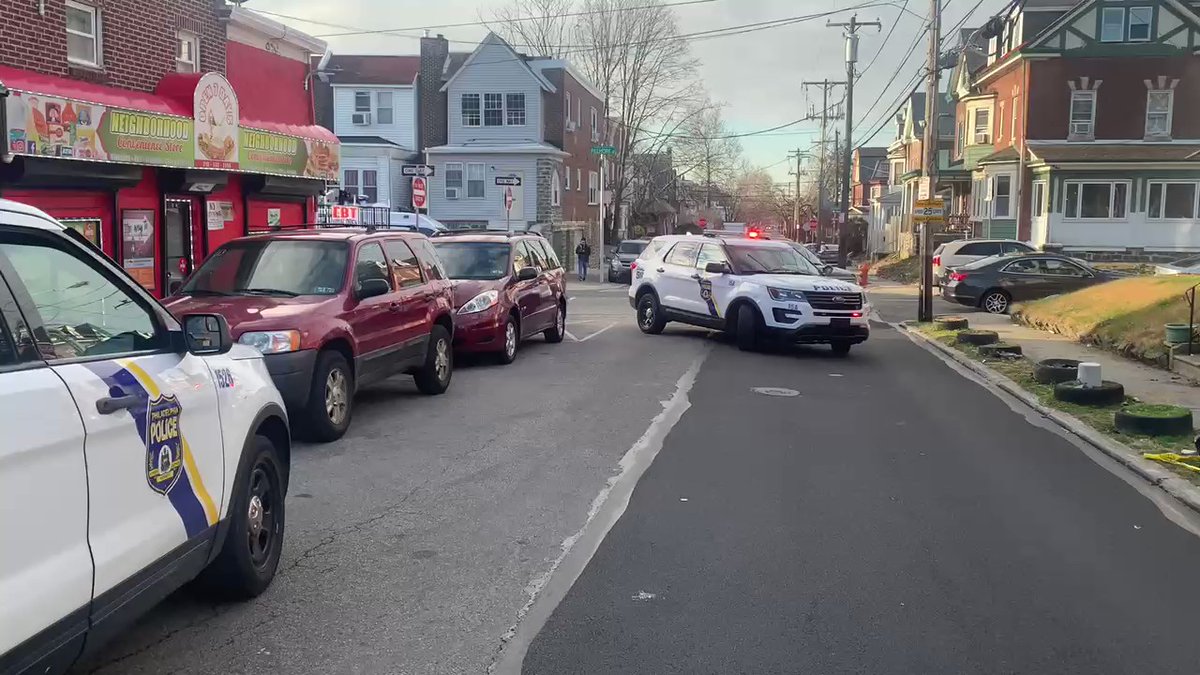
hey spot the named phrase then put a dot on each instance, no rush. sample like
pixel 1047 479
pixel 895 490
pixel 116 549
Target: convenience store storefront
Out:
pixel 157 180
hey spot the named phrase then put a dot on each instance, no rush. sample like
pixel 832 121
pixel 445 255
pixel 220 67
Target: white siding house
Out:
pixel 389 113
pixel 494 129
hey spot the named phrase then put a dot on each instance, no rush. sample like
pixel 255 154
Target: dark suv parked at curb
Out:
pixel 332 310
pixel 507 288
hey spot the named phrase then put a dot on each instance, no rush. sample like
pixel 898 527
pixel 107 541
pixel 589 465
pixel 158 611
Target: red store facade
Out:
pixel 159 179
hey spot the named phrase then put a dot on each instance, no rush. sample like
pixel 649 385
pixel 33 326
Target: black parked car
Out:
pixel 627 251
pixel 995 283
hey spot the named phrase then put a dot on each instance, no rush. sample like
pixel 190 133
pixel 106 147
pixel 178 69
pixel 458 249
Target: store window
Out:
pixel 83 34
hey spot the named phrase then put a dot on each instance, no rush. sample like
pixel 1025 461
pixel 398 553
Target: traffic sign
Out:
pixel 508 180
pixel 419 193
pixel 811 225
pixel 508 198
pixel 703 223
pixel 416 170
pixel 341 213
pixel 603 150
pixel 929 204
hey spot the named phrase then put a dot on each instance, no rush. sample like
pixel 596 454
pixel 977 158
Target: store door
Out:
pixel 181 240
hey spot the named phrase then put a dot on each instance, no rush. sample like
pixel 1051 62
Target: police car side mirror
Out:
pixel 206 334
pixel 717 268
pixel 827 270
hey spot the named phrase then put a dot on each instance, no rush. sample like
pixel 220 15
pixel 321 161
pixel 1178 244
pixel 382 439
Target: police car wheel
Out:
pixel 650 319
pixel 747 328
pixel 434 377
pixel 331 398
pixel 555 335
pixel 250 555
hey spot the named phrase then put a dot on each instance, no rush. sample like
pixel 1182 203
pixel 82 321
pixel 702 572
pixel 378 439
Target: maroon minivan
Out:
pixel 507 287
pixel 332 310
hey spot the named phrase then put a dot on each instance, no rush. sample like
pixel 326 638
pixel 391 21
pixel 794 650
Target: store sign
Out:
pixel 217 123
pixel 215 214
pixel 47 126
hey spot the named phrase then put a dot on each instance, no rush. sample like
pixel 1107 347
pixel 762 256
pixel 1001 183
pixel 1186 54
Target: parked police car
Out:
pixel 752 287
pixel 138 453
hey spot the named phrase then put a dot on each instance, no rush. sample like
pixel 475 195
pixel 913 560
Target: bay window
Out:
pixel 1083 200
pixel 983 126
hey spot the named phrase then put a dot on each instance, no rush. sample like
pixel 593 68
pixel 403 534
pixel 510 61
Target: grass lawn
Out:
pixel 1125 316
pixel 1020 370
pixel 902 270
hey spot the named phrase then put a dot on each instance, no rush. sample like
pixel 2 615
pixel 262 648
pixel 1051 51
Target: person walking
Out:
pixel 583 252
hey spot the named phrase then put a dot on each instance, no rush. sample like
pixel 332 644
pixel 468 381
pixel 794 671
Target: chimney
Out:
pixel 431 102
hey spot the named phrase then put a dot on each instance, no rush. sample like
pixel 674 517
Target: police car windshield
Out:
pixel 751 259
pixel 272 267
pixel 473 260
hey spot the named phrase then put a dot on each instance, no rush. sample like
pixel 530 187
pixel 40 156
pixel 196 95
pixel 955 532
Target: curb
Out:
pixel 1167 481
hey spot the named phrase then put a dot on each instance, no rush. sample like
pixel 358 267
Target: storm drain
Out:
pixel 775 391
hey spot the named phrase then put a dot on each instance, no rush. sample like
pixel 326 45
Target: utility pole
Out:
pixel 837 193
pixel 851 58
pixel 796 196
pixel 930 153
pixel 825 86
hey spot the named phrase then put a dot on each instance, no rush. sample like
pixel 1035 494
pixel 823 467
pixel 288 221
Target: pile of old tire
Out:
pixel 1002 350
pixel 1053 371
pixel 950 323
pixel 1074 391
pixel 1148 419
pixel 977 337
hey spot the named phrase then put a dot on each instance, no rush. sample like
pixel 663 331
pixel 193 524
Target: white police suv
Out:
pixel 752 287
pixel 139 452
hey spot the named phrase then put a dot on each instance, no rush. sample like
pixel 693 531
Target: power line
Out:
pixel 883 44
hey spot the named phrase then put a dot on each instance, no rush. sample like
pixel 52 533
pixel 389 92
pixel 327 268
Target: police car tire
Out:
pixel 657 323
pixel 316 424
pixel 555 333
pixel 427 379
pixel 233 574
pixel 747 328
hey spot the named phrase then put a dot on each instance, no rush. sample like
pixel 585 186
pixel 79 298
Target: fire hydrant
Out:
pixel 863 272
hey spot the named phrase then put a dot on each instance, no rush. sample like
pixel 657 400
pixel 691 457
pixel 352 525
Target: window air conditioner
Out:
pixel 1081 129
pixel 361 118
pixel 451 193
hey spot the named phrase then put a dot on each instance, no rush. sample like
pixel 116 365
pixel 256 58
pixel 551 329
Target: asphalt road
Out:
pixel 893 517
pixel 414 543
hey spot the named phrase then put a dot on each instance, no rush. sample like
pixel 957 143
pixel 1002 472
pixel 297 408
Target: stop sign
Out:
pixel 508 199
pixel 811 225
pixel 419 192
pixel 703 223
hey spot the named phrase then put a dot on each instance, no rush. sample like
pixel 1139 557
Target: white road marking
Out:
pixel 570 335
pixel 597 332
pixel 546 591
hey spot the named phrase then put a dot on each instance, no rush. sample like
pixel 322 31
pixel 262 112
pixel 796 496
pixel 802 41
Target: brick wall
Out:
pixel 137 38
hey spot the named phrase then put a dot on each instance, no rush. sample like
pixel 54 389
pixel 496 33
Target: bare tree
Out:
pixel 633 51
pixel 705 149
pixel 540 27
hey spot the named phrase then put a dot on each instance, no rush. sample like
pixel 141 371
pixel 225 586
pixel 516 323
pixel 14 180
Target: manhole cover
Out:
pixel 775 391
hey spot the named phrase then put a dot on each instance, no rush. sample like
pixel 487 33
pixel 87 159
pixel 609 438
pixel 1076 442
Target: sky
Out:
pixel 757 75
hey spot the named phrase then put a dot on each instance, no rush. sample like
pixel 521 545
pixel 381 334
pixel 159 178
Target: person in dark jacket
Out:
pixel 583 252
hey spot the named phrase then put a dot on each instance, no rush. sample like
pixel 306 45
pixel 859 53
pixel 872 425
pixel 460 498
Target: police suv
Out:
pixel 751 287
pixel 139 452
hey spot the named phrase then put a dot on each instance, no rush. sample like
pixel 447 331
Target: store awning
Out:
pixel 189 121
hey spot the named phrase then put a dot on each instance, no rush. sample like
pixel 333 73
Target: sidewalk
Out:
pixel 1147 383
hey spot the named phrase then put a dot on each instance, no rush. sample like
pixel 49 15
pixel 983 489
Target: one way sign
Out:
pixel 416 170
pixel 511 181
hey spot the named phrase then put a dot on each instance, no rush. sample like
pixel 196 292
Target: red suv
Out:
pixel 332 310
pixel 507 287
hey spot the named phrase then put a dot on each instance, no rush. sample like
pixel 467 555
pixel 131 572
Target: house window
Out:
pixel 384 113
pixel 1171 200
pixel 470 110
pixel 578 112
pixel 595 127
pixel 454 180
pixel 593 188
pixel 362 101
pixel 962 139
pixel 1083 113
pixel 1112 24
pixel 1012 130
pixel 475 180
pixel 370 186
pixel 1000 126
pixel 515 110
pixel 1095 201
pixel 1039 199
pixel 1001 196
pixel 1139 23
pixel 493 110
pixel 578 180
pixel 350 182
pixel 187 52
pixel 567 114
pixel 1158 112
pixel 983 126
pixel 567 179
pixel 83 34
pixel 555 191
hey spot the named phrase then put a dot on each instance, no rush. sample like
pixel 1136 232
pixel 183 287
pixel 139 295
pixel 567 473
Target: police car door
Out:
pixel 153 442
pixel 715 289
